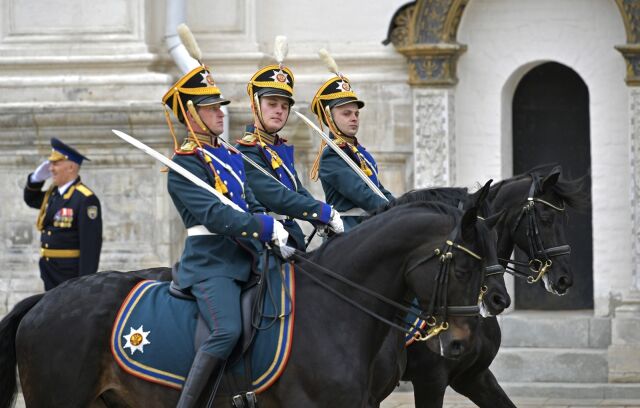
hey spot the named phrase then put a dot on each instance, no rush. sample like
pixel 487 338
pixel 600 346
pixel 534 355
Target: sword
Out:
pixel 342 155
pixel 285 250
pixel 177 168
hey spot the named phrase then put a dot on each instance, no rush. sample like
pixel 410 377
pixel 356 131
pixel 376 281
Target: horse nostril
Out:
pixel 457 348
pixel 563 284
pixel 501 302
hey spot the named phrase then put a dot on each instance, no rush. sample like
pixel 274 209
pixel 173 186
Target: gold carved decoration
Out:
pixel 630 11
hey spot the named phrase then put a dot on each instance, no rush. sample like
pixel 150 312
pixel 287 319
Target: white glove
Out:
pixel 280 235
pixel 335 223
pixel 41 174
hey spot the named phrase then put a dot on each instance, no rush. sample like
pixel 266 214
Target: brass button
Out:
pixel 244 233
pixel 46 245
pixel 255 235
pixel 314 215
pixel 48 232
pixel 304 214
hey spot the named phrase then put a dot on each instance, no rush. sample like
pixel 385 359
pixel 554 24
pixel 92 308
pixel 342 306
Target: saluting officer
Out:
pixel 337 107
pixel 70 218
pixel 222 244
pixel 271 93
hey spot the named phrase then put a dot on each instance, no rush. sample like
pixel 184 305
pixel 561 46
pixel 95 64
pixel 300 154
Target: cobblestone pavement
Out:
pixel 405 400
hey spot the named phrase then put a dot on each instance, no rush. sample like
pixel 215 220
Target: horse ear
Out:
pixel 551 179
pixel 468 224
pixel 483 193
pixel 492 221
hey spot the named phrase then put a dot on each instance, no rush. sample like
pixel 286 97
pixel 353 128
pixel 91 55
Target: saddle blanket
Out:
pixel 414 323
pixel 153 334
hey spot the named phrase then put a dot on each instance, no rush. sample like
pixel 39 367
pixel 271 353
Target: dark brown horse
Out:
pixel 60 340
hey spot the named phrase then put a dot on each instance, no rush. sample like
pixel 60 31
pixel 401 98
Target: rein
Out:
pixel 538 266
pixel 440 292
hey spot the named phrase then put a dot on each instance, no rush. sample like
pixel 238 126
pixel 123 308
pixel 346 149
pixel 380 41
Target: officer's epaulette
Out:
pixel 249 139
pixel 84 190
pixel 188 147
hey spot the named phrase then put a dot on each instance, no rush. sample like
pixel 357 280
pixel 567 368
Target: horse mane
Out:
pixel 377 217
pixel 450 196
pixel 575 193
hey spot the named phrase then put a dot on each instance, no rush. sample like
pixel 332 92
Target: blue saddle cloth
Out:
pixel 153 334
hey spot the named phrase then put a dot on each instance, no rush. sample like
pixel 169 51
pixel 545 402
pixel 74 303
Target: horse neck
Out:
pixel 511 197
pixel 373 256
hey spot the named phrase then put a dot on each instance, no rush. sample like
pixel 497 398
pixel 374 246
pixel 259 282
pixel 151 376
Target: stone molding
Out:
pixel 630 12
pixel 434 139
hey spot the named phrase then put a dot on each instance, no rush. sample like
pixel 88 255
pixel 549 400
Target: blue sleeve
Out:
pixel 33 194
pixel 337 173
pixel 207 209
pixel 279 198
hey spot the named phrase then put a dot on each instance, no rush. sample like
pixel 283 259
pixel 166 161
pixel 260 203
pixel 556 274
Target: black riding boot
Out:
pixel 204 367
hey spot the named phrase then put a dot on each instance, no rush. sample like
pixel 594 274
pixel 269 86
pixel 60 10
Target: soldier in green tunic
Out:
pixel 338 108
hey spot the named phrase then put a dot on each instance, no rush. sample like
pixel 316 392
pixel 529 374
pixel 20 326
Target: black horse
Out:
pixel 534 221
pixel 60 340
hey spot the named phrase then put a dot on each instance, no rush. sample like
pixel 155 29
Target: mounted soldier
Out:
pixel 271 93
pixel 70 218
pixel 337 107
pixel 222 244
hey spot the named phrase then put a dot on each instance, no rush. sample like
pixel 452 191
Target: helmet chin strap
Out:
pixel 332 125
pixel 196 117
pixel 257 113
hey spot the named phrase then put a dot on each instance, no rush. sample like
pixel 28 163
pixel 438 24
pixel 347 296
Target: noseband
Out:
pixel 539 256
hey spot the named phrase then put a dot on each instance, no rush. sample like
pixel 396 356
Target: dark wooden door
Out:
pixel 551 124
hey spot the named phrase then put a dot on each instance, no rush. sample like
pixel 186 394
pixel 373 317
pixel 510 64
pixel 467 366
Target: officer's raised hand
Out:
pixel 335 222
pixel 41 174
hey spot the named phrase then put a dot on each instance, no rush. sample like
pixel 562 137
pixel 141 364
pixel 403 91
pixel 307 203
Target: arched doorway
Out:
pixel 551 124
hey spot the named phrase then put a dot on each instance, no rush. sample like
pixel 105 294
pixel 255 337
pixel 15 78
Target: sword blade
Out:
pixel 342 155
pixel 177 168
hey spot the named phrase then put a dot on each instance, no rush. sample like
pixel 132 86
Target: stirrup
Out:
pixel 238 402
pixel 246 400
pixel 252 399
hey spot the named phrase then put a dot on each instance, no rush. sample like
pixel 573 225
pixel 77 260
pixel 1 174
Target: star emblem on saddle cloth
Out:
pixel 280 76
pixel 136 339
pixel 207 79
pixel 343 86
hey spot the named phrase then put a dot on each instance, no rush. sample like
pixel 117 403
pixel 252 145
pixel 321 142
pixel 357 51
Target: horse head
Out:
pixel 448 284
pixel 537 224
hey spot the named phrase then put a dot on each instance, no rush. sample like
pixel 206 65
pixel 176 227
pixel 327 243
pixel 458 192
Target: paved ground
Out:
pixel 405 400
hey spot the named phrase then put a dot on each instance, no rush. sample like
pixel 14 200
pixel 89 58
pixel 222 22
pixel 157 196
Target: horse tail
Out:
pixel 8 328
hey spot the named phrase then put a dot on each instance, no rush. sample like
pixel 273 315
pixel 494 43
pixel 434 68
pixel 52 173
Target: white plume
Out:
pixel 189 42
pixel 328 60
pixel 280 48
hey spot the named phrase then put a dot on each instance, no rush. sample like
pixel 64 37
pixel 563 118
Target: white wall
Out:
pixel 506 39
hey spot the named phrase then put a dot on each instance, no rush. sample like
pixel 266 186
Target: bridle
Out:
pixel 438 305
pixel 539 256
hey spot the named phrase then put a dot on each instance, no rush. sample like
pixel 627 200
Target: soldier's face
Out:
pixel 63 171
pixel 275 111
pixel 213 117
pixel 347 118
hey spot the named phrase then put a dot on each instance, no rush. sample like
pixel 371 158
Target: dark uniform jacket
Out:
pixel 235 247
pixel 288 197
pixel 71 223
pixel 342 186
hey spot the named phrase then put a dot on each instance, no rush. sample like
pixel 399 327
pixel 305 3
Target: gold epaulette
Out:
pixel 188 147
pixel 249 139
pixel 84 190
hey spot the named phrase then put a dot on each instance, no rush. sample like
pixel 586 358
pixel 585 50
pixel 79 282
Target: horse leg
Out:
pixel 483 389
